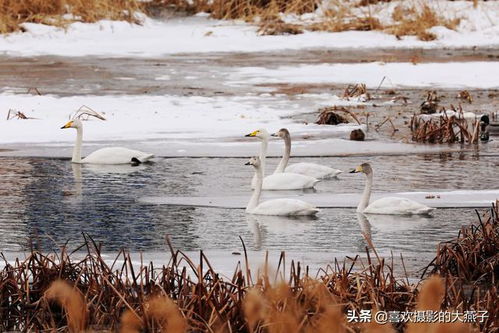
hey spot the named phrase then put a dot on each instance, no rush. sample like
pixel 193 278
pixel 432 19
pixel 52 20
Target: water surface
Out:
pixel 51 202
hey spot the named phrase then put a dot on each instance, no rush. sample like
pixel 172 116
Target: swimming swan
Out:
pixel 279 181
pixel 281 207
pixel 387 205
pixel 110 155
pixel 308 169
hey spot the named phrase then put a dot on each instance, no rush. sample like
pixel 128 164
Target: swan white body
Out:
pixel 313 170
pixel 116 155
pixel 111 155
pixel 286 181
pixel 280 207
pixel 387 205
pixel 397 206
pixel 308 169
pixel 279 181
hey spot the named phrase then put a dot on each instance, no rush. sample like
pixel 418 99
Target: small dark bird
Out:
pixel 484 128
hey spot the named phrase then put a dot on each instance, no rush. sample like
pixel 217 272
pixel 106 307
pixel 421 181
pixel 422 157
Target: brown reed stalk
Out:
pixel 184 295
pixel 71 301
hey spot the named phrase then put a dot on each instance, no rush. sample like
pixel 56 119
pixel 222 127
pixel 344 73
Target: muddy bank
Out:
pixel 189 74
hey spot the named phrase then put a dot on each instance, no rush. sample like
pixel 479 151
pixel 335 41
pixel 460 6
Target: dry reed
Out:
pixel 182 296
pixel 416 20
pixel 13 13
pixel 343 16
pixel 445 128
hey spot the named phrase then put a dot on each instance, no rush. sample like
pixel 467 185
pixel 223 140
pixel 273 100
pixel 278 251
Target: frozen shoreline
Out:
pixel 478 28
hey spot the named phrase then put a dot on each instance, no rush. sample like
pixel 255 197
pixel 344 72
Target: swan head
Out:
pixel 74 123
pixel 364 168
pixel 260 133
pixel 254 161
pixel 282 133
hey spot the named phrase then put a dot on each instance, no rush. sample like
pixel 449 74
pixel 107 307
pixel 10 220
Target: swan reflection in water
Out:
pixel 396 223
pixel 389 224
pixel 261 225
pixel 99 170
pixel 115 168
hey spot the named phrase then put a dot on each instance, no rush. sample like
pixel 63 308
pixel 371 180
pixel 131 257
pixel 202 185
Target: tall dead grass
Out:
pixel 183 296
pixel 417 20
pixel 342 16
pixel 13 13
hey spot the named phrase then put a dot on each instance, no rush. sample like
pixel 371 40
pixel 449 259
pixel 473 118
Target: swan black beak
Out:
pixel 247 163
pixel 248 134
pixel 273 134
pixel 353 171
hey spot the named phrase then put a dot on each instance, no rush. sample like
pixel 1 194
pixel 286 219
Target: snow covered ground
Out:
pixel 459 75
pixel 225 118
pixel 478 28
pixel 141 118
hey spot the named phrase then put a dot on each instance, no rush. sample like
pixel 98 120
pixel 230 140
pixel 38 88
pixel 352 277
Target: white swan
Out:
pixel 111 155
pixel 281 207
pixel 308 169
pixel 279 181
pixel 387 205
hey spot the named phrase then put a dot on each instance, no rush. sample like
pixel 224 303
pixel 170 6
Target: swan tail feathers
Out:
pixel 426 210
pixel 308 211
pixel 145 158
pixel 135 161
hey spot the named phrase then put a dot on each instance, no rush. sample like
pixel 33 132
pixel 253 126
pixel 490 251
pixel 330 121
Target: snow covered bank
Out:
pixel 442 75
pixel 479 27
pixel 142 118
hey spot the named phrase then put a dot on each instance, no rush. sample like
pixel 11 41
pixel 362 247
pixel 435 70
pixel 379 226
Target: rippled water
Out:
pixel 50 202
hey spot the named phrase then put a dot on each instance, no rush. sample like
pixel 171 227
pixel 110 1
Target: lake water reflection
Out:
pixel 50 202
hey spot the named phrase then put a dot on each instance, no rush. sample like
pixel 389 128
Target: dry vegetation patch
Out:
pixel 61 291
pixel 415 21
pixel 445 127
pixel 13 13
pixel 267 14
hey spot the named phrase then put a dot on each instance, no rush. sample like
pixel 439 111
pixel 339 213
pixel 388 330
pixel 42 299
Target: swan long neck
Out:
pixel 364 201
pixel 77 147
pixel 263 154
pixel 285 157
pixel 255 197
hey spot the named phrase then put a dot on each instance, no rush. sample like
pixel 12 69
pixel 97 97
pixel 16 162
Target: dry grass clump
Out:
pixel 13 114
pixel 249 9
pixel 430 104
pixel 160 314
pixel 71 300
pixel 448 127
pixel 342 16
pixel 470 264
pixel 13 13
pixel 276 26
pixel 338 24
pixel 330 115
pixel 59 292
pixel 414 21
pixel 465 95
pixel 357 91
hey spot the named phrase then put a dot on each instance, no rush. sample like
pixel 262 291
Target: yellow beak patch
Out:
pixel 255 133
pixel 358 169
pixel 68 125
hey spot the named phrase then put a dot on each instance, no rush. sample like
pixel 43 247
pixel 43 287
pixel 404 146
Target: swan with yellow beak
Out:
pixel 109 155
pixel 278 181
